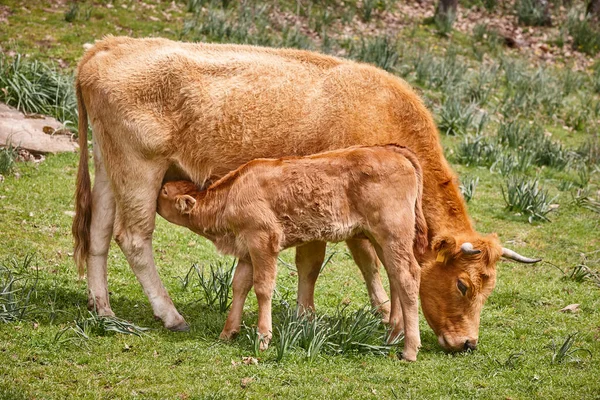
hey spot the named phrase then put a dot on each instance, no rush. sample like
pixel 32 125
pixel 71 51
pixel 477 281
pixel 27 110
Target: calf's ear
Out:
pixel 184 203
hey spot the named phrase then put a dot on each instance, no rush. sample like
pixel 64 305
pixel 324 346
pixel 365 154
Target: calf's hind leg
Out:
pixel 134 225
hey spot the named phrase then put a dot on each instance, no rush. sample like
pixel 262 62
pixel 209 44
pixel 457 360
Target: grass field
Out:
pixel 505 121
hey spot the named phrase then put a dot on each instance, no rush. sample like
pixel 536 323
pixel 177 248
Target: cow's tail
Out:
pixel 421 242
pixel 83 191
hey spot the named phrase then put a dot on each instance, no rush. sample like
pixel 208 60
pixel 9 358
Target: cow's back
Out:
pixel 209 108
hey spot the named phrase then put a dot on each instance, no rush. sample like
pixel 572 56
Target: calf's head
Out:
pixel 455 283
pixel 176 201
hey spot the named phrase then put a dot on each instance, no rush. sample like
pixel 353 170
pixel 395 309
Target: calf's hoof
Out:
pixel 408 356
pixel 228 335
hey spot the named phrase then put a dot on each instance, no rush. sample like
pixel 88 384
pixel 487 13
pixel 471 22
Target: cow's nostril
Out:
pixel 470 345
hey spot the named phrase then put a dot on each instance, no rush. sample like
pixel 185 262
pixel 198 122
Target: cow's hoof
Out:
pixel 228 335
pixel 180 327
pixel 264 344
pixel 408 356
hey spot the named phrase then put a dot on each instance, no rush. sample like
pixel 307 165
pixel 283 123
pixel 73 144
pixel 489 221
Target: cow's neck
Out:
pixel 443 204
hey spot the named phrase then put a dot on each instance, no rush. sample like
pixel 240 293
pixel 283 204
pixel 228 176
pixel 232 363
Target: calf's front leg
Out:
pixel 264 263
pixel 242 283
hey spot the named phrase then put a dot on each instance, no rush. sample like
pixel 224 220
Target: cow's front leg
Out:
pixel 242 283
pixel 134 225
pixel 309 259
pixel 365 257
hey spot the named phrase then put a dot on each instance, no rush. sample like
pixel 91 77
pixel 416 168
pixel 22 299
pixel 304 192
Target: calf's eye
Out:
pixel 462 287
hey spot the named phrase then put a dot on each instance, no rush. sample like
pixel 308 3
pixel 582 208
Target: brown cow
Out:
pixel 198 111
pixel 268 205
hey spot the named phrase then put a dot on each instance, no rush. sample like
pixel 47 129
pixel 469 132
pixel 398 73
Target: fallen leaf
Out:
pixel 245 382
pixel 250 360
pixel 572 308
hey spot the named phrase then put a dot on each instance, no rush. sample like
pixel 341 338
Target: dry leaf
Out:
pixel 245 382
pixel 250 360
pixel 572 308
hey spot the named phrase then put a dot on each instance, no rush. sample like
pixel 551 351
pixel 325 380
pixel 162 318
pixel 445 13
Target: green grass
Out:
pixel 525 341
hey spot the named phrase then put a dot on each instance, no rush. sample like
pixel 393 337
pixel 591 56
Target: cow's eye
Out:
pixel 462 287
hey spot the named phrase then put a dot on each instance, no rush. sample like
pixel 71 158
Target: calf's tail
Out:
pixel 421 242
pixel 83 192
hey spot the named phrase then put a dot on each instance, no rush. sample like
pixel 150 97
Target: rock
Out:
pixel 36 135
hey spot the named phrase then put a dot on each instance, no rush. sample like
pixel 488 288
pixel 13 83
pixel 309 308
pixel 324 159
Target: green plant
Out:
pixel 214 284
pixel 443 22
pixel 83 329
pixel 287 332
pixel 533 13
pixel 72 12
pixel 35 87
pixel 378 50
pixel 586 37
pixel 355 332
pixel 467 188
pixel 566 352
pixel 476 150
pixel 17 286
pixel 314 334
pixel 456 118
pixel 8 157
pixel 583 199
pixel 526 197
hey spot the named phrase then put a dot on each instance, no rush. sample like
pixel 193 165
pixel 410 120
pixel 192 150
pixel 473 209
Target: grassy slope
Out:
pixel 521 316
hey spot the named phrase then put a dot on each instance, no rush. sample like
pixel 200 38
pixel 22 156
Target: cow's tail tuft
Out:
pixel 421 232
pixel 83 192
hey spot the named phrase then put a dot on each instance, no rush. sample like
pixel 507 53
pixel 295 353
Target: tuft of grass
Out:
pixel 525 196
pixel 467 188
pixel 214 283
pixel 458 119
pixel 357 332
pixel 583 199
pixel 8 157
pixel 379 50
pixel 476 150
pixel 17 286
pixel 39 88
pixel 566 352
pixel 83 328
pixel 533 13
pixel 586 35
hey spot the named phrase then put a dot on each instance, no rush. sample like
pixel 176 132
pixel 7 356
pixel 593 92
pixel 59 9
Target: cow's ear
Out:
pixel 444 247
pixel 184 203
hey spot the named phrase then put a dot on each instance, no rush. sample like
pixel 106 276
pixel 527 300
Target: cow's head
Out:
pixel 455 283
pixel 176 200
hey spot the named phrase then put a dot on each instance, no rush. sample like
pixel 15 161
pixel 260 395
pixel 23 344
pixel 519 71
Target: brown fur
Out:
pixel 198 111
pixel 331 196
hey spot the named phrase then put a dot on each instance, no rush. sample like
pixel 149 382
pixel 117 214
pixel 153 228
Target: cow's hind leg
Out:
pixel 365 257
pixel 101 229
pixel 309 259
pixel 136 196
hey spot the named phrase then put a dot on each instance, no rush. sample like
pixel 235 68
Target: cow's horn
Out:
pixel 507 253
pixel 467 248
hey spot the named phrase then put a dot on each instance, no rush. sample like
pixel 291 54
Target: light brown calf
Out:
pixel 268 205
